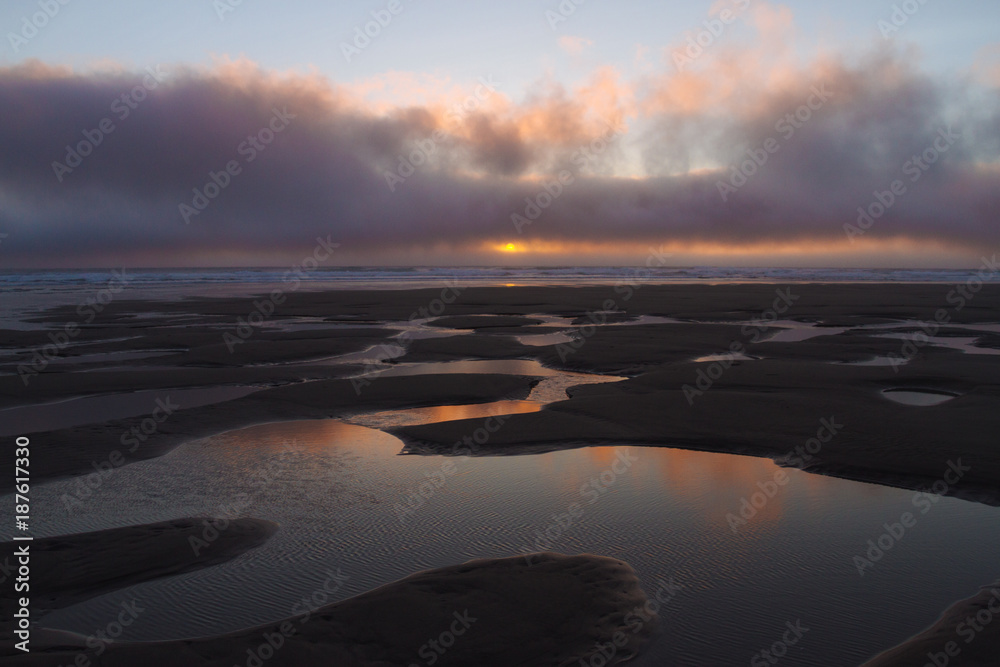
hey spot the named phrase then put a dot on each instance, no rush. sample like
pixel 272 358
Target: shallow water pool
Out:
pixel 350 504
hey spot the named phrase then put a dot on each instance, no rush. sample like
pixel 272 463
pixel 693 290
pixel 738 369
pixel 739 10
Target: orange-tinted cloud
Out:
pixel 574 45
pixel 410 161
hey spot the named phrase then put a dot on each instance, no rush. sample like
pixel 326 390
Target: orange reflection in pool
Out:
pixel 718 481
pixel 443 413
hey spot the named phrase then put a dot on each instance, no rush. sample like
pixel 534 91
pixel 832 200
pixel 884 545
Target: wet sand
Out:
pixel 966 635
pixel 773 407
pixel 544 611
pixel 87 449
pixel 68 569
pixel 807 403
pixel 764 407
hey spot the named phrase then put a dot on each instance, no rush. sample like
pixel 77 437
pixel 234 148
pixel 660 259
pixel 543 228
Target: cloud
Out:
pixel 574 45
pixel 444 173
pixel 987 65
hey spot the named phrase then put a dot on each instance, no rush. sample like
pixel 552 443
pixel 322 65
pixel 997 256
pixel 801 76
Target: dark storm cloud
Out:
pixel 323 171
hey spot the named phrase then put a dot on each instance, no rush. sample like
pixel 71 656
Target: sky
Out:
pixel 410 132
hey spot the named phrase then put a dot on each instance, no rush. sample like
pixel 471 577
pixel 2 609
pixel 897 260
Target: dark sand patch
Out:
pixel 269 347
pixel 768 408
pixel 991 341
pixel 608 318
pixel 53 386
pixel 957 639
pixel 834 304
pixel 527 331
pixel 850 346
pixel 482 321
pixel 195 345
pixel 631 350
pixel 765 407
pixel 68 569
pixel 466 347
pixel 73 451
pixel 551 611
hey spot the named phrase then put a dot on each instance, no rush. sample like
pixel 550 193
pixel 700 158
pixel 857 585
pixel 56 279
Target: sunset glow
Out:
pixel 484 334
pixel 585 148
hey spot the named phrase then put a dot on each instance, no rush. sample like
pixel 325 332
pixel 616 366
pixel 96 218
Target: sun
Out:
pixel 510 247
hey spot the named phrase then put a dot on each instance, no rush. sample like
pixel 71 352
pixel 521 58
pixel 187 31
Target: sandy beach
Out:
pixel 964 636
pixel 702 367
pixel 546 610
pixel 561 334
pixel 767 407
pixel 77 567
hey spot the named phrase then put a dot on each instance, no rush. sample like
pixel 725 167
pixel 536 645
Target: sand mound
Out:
pixel 543 610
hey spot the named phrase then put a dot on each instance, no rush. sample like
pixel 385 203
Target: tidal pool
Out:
pixel 350 505
pixel 918 397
